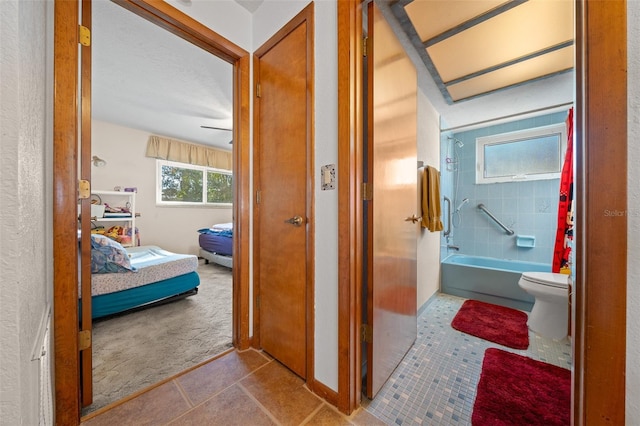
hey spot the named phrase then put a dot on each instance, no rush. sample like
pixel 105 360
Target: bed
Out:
pixel 216 244
pixel 129 279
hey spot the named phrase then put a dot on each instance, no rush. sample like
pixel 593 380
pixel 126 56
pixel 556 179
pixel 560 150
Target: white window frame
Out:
pixel 203 169
pixel 518 136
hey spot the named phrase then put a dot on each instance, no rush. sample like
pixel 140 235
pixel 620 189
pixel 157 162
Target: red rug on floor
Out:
pixel 494 323
pixel 516 390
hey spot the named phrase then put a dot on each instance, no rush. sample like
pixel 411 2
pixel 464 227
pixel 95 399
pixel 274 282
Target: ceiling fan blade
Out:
pixel 217 128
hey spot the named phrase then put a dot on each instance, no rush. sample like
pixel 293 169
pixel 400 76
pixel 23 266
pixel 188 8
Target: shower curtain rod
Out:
pixel 558 107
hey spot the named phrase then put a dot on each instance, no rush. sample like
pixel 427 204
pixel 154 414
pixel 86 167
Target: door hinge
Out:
pixel 84 35
pixel 258 95
pixel 84 189
pixel 258 196
pixel 367 191
pixel 366 333
pixel 84 340
pixel 365 42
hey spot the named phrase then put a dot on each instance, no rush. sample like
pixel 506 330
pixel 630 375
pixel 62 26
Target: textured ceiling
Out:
pixel 146 78
pixel 476 47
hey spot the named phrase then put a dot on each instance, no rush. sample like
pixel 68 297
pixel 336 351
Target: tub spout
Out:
pixel 453 247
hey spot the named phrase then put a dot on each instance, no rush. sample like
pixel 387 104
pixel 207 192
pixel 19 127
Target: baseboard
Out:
pixel 324 392
pixel 427 303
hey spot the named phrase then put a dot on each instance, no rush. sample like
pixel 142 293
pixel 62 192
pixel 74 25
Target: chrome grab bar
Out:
pixel 448 231
pixel 484 209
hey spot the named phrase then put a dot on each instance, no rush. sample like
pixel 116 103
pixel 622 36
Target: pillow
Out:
pixel 108 256
pixel 222 227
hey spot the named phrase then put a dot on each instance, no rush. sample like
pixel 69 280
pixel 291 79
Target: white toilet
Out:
pixel 550 314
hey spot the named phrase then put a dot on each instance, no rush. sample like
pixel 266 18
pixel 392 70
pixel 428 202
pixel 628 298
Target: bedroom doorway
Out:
pixel 67 374
pixel 125 54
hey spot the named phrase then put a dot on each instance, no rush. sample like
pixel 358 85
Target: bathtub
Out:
pixel 488 280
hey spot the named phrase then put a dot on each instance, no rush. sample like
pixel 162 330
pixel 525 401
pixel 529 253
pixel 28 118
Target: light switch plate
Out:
pixel 328 176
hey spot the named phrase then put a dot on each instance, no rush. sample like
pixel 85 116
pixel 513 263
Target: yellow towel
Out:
pixel 431 199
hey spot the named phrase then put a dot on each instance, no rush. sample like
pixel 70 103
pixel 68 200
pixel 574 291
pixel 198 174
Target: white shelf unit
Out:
pixel 119 199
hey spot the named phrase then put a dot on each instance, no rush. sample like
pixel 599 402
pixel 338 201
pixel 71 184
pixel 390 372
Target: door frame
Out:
pixel 305 16
pixel 65 175
pixel 600 261
pixel 350 224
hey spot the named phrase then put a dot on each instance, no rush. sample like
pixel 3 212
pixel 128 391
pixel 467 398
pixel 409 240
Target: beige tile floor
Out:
pixel 239 388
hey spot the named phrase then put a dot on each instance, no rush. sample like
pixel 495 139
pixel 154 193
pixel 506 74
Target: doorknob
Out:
pixel 413 219
pixel 295 221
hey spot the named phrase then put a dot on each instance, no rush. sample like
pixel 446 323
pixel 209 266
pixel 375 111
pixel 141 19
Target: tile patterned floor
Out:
pixel 435 384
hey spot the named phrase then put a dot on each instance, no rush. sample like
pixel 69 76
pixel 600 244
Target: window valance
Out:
pixel 190 153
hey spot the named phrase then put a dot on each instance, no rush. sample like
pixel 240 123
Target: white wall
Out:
pixel 172 228
pixel 633 217
pixel 428 242
pixel 25 212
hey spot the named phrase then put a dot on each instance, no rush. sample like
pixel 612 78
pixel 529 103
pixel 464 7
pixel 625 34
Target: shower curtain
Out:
pixel 564 233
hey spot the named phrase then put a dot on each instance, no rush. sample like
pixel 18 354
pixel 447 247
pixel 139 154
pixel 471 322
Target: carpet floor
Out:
pixel 136 350
pixel 494 323
pixel 517 390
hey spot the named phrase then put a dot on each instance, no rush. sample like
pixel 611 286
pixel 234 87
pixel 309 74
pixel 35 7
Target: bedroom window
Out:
pixel 186 184
pixel 532 154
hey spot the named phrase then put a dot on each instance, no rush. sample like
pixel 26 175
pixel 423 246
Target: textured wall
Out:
pixel 25 285
pixel 633 231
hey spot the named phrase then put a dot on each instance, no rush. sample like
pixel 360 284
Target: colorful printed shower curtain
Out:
pixel 564 233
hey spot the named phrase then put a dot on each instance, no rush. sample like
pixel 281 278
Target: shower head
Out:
pixel 464 201
pixel 456 141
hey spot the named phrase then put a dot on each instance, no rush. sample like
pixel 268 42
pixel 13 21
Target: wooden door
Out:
pixel 283 188
pixel 391 226
pixel 84 152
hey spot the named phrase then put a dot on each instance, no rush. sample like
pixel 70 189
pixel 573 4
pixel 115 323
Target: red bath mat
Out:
pixel 516 390
pixel 494 323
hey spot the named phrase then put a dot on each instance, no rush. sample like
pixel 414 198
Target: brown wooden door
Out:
pixel 84 151
pixel 392 171
pixel 283 144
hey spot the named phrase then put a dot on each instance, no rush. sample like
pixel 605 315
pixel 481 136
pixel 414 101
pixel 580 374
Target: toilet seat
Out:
pixel 547 278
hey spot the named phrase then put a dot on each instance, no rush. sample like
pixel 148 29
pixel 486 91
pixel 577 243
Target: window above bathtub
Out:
pixel 531 154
